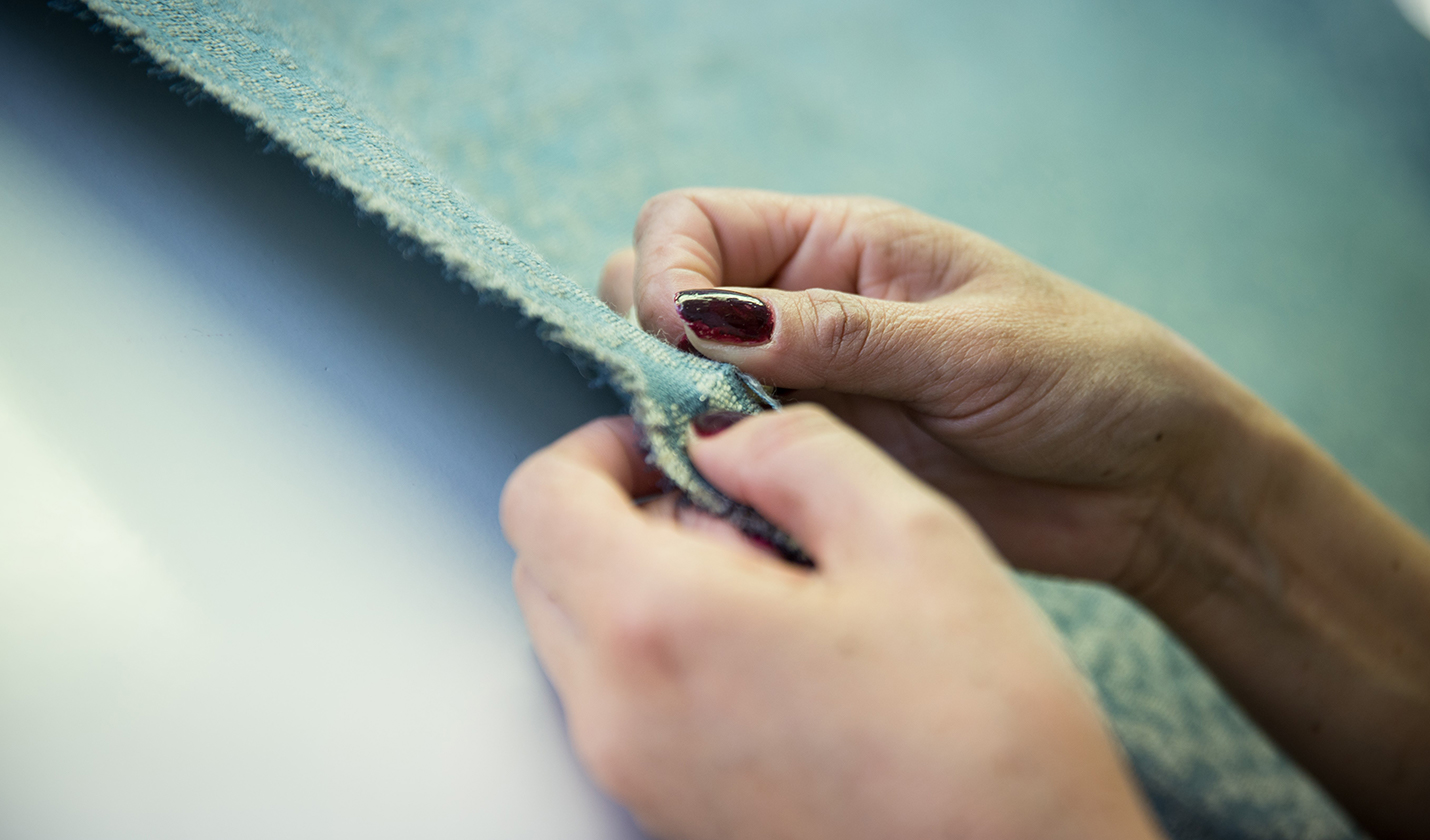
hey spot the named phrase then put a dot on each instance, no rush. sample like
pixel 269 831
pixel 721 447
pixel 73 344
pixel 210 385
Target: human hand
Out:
pixel 1069 426
pixel 1086 440
pixel 906 688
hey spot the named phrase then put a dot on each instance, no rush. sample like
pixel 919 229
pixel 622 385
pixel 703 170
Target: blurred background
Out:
pixel 251 580
pixel 1418 11
pixel 1256 175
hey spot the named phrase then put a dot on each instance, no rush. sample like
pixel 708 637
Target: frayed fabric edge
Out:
pixel 286 99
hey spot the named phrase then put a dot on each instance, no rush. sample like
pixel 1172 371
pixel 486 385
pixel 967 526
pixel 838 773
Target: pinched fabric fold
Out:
pixel 1208 772
pixel 227 52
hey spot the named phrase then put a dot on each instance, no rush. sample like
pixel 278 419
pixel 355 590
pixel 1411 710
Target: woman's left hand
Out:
pixel 905 688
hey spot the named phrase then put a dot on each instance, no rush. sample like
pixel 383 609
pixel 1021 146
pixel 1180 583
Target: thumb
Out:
pixel 848 503
pixel 821 339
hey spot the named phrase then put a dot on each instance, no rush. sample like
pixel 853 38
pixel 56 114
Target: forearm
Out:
pixel 1310 601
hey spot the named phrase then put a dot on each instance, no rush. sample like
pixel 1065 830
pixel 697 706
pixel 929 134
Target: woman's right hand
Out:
pixel 1067 424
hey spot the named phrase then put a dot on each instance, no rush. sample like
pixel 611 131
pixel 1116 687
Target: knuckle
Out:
pixel 525 509
pixel 887 220
pixel 643 631
pixel 521 489
pixel 876 209
pixel 527 573
pixel 929 525
pixel 651 208
pixel 841 326
pixel 521 580
pixel 658 205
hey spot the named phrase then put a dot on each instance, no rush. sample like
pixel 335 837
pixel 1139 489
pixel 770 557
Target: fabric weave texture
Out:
pixel 230 55
pixel 1209 773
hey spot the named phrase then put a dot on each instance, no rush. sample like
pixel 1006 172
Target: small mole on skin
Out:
pixel 1158 438
pixel 1315 727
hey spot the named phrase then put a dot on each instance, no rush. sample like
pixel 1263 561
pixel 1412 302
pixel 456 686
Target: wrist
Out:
pixel 1205 538
pixel 1310 601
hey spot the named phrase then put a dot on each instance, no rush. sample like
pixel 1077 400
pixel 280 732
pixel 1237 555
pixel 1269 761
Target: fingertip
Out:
pixel 785 347
pixel 618 278
pixel 676 249
pixel 614 446
pixel 656 292
pixel 705 238
pixel 824 339
pixel 726 316
pixel 834 492
pixel 754 458
pixel 592 472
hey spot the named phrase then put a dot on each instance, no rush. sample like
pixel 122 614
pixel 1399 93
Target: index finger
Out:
pixel 570 513
pixel 577 489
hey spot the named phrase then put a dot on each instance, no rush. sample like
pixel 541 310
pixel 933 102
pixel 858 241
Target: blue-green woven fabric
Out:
pixel 1115 141
pixel 230 54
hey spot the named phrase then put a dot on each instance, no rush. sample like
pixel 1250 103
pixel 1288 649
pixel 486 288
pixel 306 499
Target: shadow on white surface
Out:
pixel 251 578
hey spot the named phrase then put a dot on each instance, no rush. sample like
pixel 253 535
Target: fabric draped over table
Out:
pixel 303 74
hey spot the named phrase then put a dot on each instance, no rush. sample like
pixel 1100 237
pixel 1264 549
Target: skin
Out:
pixel 1082 438
pixel 907 689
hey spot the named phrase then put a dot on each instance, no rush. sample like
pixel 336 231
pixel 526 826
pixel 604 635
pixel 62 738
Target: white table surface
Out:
pixel 251 578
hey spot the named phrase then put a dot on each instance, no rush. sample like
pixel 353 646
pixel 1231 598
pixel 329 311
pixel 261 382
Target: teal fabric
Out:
pixel 1256 175
pixel 230 54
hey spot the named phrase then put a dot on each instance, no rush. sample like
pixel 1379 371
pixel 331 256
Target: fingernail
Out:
pixel 685 346
pixel 715 422
pixel 730 317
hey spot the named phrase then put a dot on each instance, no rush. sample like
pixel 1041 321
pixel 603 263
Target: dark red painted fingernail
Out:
pixel 685 346
pixel 730 317
pixel 715 422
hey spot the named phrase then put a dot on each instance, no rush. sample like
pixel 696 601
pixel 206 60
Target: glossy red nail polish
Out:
pixel 725 316
pixel 685 346
pixel 715 422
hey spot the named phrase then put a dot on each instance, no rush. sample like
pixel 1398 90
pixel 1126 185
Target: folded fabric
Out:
pixel 1209 773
